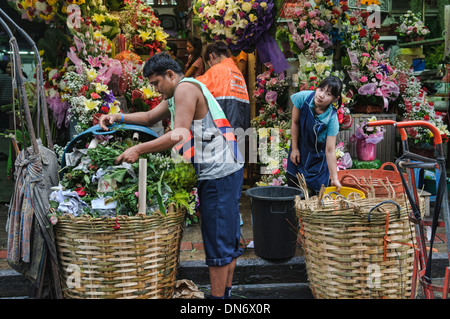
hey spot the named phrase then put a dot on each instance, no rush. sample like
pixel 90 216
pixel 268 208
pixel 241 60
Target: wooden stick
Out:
pixel 142 185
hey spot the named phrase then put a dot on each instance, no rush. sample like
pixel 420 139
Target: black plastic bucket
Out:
pixel 274 220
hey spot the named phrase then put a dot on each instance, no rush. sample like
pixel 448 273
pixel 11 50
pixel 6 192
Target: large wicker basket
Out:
pixel 359 248
pixel 137 260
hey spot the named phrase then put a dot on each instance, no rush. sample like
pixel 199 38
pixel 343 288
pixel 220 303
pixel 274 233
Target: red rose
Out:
pixel 376 37
pixel 80 191
pixel 104 109
pixel 137 94
pixel 362 33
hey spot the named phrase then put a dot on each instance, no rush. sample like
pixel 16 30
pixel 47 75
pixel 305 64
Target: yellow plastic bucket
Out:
pixel 344 191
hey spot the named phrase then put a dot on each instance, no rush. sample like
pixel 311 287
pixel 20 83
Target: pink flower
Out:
pixel 302 24
pixel 378 76
pixel 275 171
pixel 363 79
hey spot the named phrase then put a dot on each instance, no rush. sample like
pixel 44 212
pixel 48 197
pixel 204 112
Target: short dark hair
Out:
pixel 334 84
pixel 159 64
pixel 218 48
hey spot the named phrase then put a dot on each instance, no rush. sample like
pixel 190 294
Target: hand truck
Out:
pixel 411 161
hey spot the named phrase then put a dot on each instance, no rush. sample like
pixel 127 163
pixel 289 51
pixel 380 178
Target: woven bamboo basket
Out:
pixel 357 248
pixel 137 261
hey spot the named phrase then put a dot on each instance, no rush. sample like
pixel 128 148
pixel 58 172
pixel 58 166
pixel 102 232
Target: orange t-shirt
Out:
pixel 224 79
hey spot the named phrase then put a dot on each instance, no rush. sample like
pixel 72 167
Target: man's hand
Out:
pixel 107 119
pixel 130 155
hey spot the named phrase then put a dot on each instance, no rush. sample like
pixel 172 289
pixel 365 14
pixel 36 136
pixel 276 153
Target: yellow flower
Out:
pixel 114 108
pixel 41 52
pixel 148 92
pixel 64 9
pixel 91 74
pixel 160 35
pixel 98 35
pixel 333 21
pixel 90 105
pixel 99 18
pixel 28 3
pixel 52 2
pixel 263 4
pixel 252 17
pixel 144 35
pixel 99 87
pixel 246 6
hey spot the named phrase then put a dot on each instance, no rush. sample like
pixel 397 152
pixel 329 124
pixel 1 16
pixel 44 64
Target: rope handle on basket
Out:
pixel 357 183
pixel 382 203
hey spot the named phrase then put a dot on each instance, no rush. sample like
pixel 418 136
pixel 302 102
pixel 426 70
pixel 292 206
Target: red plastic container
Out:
pixel 381 182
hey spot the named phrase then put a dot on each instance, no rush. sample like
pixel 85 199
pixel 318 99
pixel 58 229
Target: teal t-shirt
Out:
pixel 331 122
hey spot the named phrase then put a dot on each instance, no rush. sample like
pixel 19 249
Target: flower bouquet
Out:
pixel 85 83
pixel 343 158
pixel 244 25
pixel 141 28
pixel 366 138
pixel 411 27
pixel 373 77
pixel 310 28
pixel 415 105
pixel 34 10
pixel 271 88
pixel 313 68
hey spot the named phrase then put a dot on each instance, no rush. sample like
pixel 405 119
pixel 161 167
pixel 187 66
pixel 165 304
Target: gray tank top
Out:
pixel 213 156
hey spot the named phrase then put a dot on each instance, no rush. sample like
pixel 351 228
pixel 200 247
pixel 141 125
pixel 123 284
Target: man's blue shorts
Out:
pixel 220 218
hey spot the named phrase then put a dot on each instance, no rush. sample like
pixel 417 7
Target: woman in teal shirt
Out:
pixel 313 136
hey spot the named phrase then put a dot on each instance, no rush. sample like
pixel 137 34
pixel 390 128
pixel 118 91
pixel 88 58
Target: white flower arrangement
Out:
pixel 411 26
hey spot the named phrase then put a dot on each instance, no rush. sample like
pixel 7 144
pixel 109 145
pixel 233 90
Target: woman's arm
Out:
pixel 295 153
pixel 330 153
pixel 193 68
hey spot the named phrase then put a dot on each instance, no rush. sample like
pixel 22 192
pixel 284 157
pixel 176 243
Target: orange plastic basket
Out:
pixel 375 182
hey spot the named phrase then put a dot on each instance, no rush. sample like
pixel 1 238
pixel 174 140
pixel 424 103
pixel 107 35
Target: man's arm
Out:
pixel 148 118
pixel 186 99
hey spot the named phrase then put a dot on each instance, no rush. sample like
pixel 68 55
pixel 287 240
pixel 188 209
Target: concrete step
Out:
pixel 270 278
pixel 13 284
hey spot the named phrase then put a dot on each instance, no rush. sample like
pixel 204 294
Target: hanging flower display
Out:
pixel 272 125
pixel 244 25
